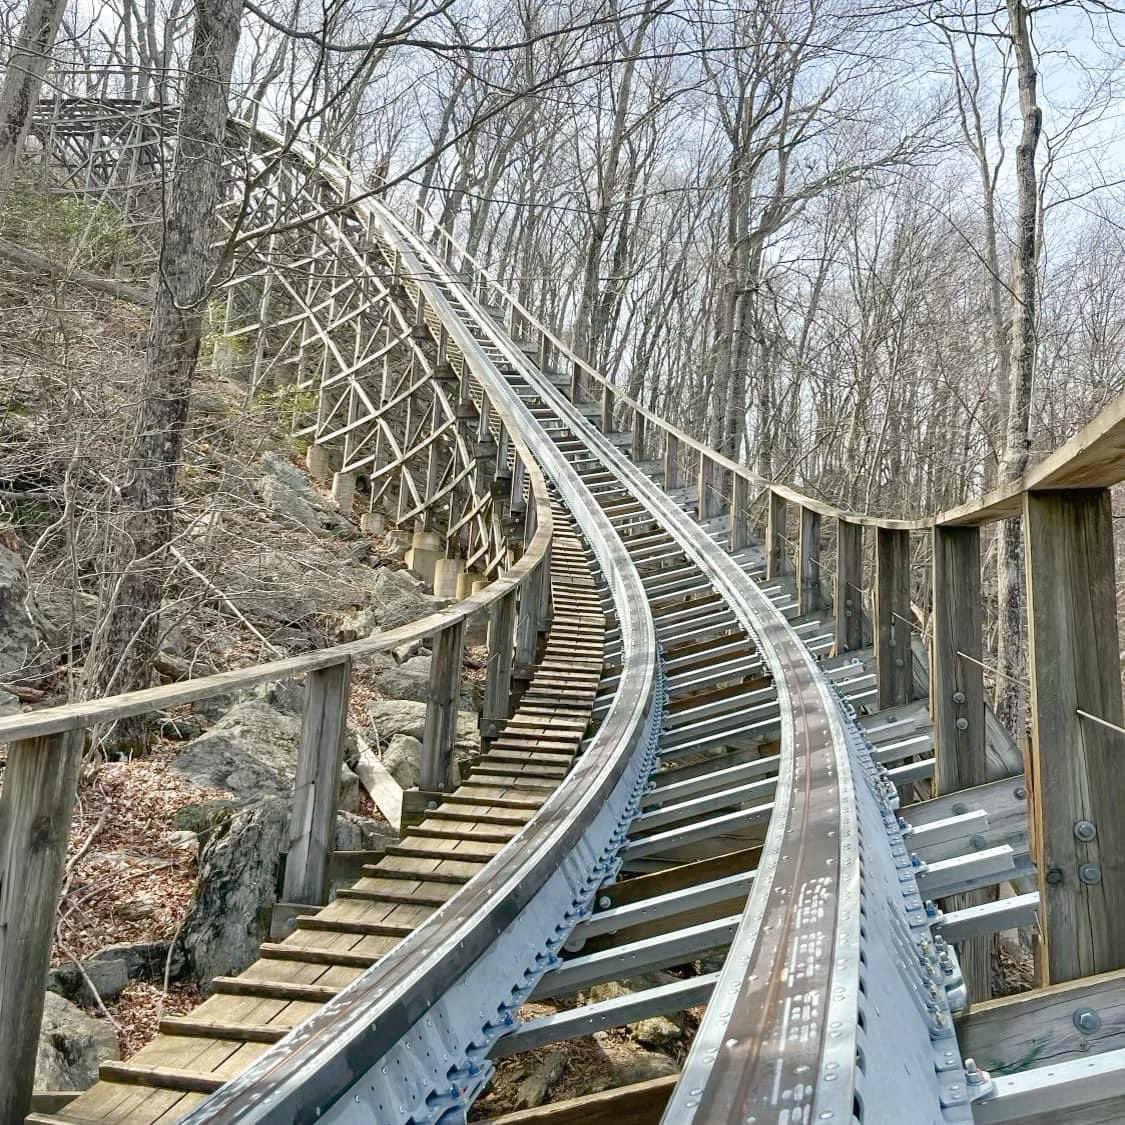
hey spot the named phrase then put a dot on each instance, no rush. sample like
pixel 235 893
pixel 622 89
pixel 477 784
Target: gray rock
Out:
pixel 108 978
pixel 408 680
pixel 639 1066
pixel 289 493
pixel 239 876
pixel 402 759
pixel 72 1045
pixel 404 716
pixel 20 626
pixel 252 752
pixel 9 704
pixel 397 597
pixel 656 1031
pixel 143 960
pixel 237 884
pixel 202 816
pixel 535 1088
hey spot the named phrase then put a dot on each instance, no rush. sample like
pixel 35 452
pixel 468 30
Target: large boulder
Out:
pixel 20 625
pixel 408 680
pixel 72 1045
pixel 252 752
pixel 396 597
pixel 289 493
pixel 107 978
pixel 239 875
pixel 404 716
pixel 402 759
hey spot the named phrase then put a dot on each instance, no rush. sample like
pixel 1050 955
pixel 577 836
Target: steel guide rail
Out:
pixel 409 1039
pixel 833 965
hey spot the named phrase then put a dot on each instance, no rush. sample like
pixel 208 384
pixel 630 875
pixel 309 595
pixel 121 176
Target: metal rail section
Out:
pixel 833 1003
pixel 796 1014
pixel 409 1040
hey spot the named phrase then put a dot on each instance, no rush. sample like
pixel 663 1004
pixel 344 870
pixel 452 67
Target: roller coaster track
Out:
pixel 694 765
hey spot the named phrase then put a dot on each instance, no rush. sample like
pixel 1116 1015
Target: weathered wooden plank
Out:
pixel 892 617
pixel 847 596
pixel 1077 782
pixel 956 683
pixel 501 654
pixel 1039 1027
pixel 808 562
pixel 637 1104
pixel 384 791
pixel 312 822
pixel 441 709
pixel 777 555
pixel 40 784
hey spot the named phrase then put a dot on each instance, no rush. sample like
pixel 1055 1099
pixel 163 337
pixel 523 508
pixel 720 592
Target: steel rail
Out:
pixel 334 1054
pixel 781 1037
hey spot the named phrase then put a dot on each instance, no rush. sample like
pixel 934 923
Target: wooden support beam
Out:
pixel 1047 1025
pixel 808 562
pixel 498 681
pixel 777 558
pixel 671 462
pixel 40 784
pixel 442 697
pixel 1077 781
pixel 312 820
pixel 956 683
pixel 739 512
pixel 847 591
pixel 893 665
pixel 575 381
pixel 638 1104
pixel 957 706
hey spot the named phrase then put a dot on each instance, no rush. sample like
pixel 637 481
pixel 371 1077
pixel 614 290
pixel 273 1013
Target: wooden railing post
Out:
pixel 777 560
pixel 671 462
pixel 637 452
pixel 705 504
pixel 1077 775
pixel 442 697
pixel 893 659
pixel 957 704
pixel 312 821
pixel 40 784
pixel 498 681
pixel 847 591
pixel 607 408
pixel 739 512
pixel 575 381
pixel 808 561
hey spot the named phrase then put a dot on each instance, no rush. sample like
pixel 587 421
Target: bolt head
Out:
pixel 962 723
pixel 604 902
pixel 958 697
pixel 1085 830
pixel 1087 1020
pixel 959 809
pixel 977 841
pixel 1054 876
pixel 1021 793
pixel 1090 873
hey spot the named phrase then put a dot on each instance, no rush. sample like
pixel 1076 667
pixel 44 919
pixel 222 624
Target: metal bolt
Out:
pixel 605 902
pixel 958 697
pixel 977 841
pixel 1085 830
pixel 959 809
pixel 1021 793
pixel 1054 876
pixel 1090 873
pixel 1087 1020
pixel 962 723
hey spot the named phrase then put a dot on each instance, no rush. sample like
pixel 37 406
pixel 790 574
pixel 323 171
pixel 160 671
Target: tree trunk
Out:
pixel 1011 695
pixel 23 79
pixel 128 646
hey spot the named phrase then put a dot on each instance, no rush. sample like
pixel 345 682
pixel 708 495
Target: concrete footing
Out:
pixel 318 458
pixel 424 554
pixel 343 491
pixel 448 574
pixel 372 522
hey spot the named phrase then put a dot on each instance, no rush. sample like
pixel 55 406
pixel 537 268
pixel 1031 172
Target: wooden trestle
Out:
pixel 194 1055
